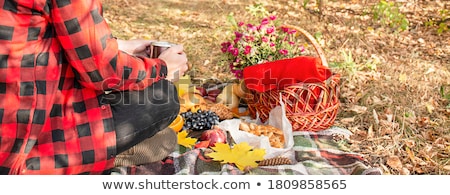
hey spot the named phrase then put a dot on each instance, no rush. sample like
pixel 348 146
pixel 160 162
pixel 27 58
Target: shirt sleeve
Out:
pixel 91 50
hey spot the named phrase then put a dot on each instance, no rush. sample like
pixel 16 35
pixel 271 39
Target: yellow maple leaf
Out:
pixel 184 140
pixel 242 155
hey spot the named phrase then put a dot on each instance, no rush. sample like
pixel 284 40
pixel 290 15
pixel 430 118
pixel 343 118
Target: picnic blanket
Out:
pixel 316 153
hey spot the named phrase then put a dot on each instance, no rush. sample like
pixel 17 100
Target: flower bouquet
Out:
pixel 253 44
pixel 272 64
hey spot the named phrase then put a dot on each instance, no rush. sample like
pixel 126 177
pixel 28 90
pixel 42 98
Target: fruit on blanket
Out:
pixel 199 120
pixel 177 124
pixel 214 135
pixel 228 98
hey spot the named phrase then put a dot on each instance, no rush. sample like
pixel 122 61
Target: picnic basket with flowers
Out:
pixel 270 60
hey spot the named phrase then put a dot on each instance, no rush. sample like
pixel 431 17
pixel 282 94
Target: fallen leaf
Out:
pixel 402 78
pixel 405 171
pixel 387 128
pixel 446 167
pixel 390 117
pixel 385 169
pixel 430 107
pixel 395 163
pixel 430 70
pixel 423 121
pixel 420 40
pixel 202 144
pixel 348 120
pixel 184 140
pixel 375 117
pixel 242 155
pixel 410 143
pixel 418 169
pixel 370 132
pixel 358 109
pixel 410 154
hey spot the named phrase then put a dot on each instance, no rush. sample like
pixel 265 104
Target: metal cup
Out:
pixel 156 48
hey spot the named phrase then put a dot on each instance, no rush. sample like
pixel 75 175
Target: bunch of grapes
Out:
pixel 200 120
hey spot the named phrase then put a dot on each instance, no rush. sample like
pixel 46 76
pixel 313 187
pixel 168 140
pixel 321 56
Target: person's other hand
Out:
pixel 176 61
pixel 137 47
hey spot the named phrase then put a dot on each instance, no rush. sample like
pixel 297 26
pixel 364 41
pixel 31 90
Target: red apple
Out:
pixel 215 135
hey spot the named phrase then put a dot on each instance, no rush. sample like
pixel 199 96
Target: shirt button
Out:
pixel 103 107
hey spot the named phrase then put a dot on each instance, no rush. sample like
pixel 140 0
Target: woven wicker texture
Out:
pixel 309 106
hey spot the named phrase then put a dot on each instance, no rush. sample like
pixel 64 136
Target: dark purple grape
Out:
pixel 200 120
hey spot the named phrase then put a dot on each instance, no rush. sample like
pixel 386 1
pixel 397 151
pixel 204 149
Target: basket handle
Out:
pixel 313 42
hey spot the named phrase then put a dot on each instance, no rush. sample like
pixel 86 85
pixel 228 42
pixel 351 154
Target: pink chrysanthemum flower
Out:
pixel 253 44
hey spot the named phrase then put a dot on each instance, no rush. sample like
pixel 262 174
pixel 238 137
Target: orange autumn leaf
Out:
pixel 242 155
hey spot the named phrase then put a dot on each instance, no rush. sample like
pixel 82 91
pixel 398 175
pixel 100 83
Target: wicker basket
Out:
pixel 306 110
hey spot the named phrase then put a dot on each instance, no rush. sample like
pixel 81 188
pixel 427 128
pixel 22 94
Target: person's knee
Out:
pixel 165 93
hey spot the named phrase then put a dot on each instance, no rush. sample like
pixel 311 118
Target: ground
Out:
pixel 395 88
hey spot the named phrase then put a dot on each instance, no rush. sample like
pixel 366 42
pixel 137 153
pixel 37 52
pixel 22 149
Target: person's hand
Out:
pixel 137 47
pixel 174 57
pixel 176 61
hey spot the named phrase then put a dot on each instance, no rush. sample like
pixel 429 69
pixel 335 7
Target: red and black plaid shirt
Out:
pixel 57 57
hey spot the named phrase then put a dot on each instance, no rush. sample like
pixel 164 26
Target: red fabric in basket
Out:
pixel 280 73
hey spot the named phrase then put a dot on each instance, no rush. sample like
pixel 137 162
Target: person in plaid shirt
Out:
pixel 58 61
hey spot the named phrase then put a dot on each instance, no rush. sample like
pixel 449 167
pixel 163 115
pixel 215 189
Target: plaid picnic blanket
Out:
pixel 316 153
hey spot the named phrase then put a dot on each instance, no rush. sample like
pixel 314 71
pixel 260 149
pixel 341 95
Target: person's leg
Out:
pixel 139 115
